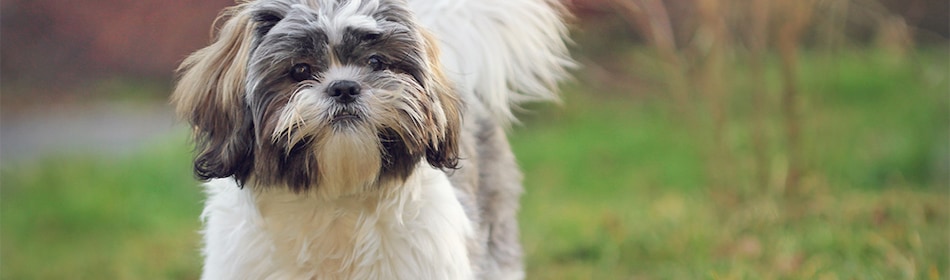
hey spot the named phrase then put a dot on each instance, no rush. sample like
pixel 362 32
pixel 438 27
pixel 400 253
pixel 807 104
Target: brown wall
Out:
pixel 55 41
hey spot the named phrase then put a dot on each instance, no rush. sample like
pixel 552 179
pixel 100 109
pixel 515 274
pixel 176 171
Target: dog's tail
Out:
pixel 502 52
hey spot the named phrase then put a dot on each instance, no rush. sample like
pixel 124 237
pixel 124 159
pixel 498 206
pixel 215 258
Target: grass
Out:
pixel 617 188
pixel 83 217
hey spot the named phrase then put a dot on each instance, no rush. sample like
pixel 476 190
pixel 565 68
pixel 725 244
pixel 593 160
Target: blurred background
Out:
pixel 699 139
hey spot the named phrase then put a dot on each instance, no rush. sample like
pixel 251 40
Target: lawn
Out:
pixel 617 187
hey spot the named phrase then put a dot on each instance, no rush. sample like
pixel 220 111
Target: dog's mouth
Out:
pixel 346 117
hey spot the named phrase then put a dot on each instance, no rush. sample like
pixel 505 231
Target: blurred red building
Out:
pixel 51 41
pixel 55 42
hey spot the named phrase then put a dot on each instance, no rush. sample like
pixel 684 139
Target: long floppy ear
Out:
pixel 442 151
pixel 210 95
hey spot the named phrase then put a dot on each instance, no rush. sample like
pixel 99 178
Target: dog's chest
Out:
pixel 346 241
pixel 410 235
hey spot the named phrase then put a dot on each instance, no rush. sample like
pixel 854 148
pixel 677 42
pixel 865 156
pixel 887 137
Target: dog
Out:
pixel 365 139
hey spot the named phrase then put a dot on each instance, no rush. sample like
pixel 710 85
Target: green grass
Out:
pixel 630 202
pixel 617 187
pixel 83 217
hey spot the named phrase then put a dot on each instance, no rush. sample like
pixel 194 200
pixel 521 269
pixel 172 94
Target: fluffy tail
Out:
pixel 502 52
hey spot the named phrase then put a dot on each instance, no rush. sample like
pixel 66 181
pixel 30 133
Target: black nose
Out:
pixel 344 91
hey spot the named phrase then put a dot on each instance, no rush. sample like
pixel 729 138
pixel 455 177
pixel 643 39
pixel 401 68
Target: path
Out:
pixel 104 129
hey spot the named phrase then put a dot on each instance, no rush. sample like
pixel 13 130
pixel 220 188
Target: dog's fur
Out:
pixel 333 138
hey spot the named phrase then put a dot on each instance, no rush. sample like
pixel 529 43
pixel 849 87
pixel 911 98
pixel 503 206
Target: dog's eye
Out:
pixel 370 37
pixel 301 72
pixel 376 63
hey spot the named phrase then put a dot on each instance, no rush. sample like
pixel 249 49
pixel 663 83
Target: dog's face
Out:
pixel 330 96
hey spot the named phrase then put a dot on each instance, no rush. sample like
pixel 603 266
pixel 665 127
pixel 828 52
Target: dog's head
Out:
pixel 334 96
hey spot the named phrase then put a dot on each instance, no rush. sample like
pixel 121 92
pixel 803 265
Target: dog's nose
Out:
pixel 344 91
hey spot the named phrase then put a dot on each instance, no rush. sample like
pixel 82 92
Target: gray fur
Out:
pixel 240 133
pixel 490 182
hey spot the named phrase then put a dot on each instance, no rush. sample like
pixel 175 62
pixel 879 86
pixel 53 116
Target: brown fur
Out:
pixel 445 153
pixel 209 94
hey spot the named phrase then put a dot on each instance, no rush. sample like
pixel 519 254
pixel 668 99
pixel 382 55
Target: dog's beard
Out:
pixel 343 140
pixel 351 144
pixel 349 159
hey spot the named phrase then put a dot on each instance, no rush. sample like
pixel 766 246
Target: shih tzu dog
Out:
pixel 365 139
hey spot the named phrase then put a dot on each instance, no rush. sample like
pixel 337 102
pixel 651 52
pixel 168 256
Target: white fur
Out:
pixel 351 14
pixel 498 54
pixel 502 52
pixel 414 231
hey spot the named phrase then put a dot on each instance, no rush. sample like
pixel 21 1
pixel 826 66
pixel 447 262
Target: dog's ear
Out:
pixel 210 95
pixel 442 150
